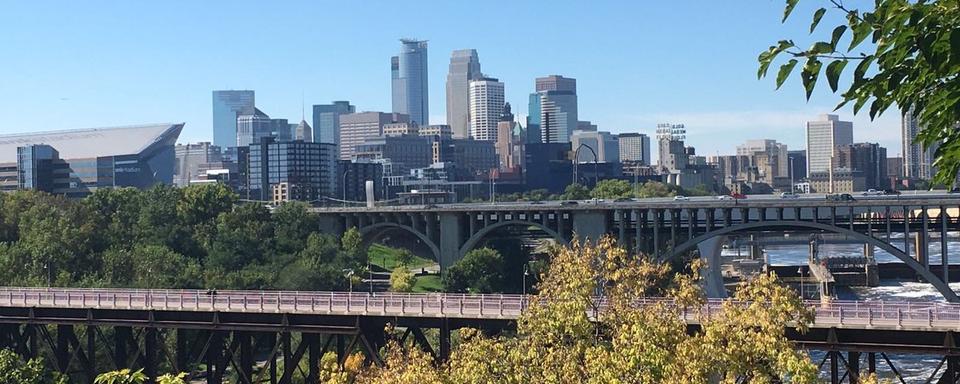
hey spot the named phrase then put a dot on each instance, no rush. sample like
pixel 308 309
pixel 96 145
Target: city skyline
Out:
pixel 92 77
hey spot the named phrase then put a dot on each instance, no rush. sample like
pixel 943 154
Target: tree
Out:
pixel 656 189
pixel 405 257
pixel 352 243
pixel 122 376
pixel 480 271
pixel 612 189
pixel 575 192
pixel 14 370
pixel 402 280
pixel 292 223
pixel 912 62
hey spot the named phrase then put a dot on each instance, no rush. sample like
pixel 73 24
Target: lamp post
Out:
pixel 343 186
pixel 801 272
pixel 523 298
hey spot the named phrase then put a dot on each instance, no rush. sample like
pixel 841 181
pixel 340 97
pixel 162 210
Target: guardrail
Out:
pixel 841 314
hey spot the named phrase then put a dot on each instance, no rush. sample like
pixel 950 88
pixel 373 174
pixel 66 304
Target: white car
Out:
pixel 872 192
pixel 788 195
pixel 724 197
pixel 680 198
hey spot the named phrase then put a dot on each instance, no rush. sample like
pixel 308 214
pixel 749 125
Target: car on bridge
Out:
pixel 680 198
pixel 724 197
pixel 840 197
pixel 738 196
pixel 789 195
pixel 872 192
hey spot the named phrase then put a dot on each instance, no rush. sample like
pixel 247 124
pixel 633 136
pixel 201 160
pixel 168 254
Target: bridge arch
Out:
pixel 368 232
pixel 930 277
pixel 473 240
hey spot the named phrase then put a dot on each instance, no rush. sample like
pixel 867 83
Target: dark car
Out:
pixel 841 197
pixel 891 192
pixel 569 202
pixel 955 190
pixel 622 200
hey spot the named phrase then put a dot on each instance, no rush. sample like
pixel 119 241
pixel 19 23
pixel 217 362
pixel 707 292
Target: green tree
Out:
pixel 912 61
pixel 352 243
pixel 612 189
pixel 14 370
pixel 243 236
pixel 405 257
pixel 402 280
pixel 656 189
pixel 157 267
pixel 480 271
pixel 575 192
pixel 292 224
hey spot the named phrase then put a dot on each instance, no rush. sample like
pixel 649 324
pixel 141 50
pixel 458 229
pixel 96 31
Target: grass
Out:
pixel 429 283
pixel 387 258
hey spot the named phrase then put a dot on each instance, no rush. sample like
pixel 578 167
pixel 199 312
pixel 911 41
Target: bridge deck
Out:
pixel 878 315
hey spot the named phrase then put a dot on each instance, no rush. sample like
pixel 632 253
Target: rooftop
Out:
pixel 92 142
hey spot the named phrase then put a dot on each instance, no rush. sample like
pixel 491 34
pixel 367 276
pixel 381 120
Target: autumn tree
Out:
pixel 912 61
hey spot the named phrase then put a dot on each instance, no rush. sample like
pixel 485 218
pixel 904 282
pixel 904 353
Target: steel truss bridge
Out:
pixel 671 229
pixel 238 330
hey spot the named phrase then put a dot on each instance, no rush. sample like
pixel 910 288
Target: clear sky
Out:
pixel 73 64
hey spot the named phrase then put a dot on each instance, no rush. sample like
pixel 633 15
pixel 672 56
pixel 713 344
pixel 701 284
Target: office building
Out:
pixel 306 170
pixel 842 180
pixel 189 158
pixel 400 129
pixel 227 107
pixel 326 121
pixel 547 166
pixel 509 142
pixel 769 157
pixel 252 128
pixel 353 179
pixel 486 106
pixel 634 147
pixel 590 143
pixel 441 131
pixel 586 126
pixel 473 158
pixel 302 132
pixel 355 128
pixel 464 67
pixel 823 137
pixel 797 162
pixel 870 159
pixel 917 160
pixel 404 152
pixel 553 109
pixel 77 162
pixel 672 154
pixel 895 168
pixel 409 81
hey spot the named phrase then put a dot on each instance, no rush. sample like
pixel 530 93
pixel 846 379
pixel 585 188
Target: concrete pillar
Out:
pixel 868 250
pixel 853 366
pixel 944 249
pixel 589 224
pixel 451 240
pixel 561 228
pixel 657 222
pixel 638 219
pixel 621 227
pixel 712 276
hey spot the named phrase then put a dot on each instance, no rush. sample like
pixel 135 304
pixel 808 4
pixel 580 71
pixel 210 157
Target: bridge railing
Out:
pixel 857 314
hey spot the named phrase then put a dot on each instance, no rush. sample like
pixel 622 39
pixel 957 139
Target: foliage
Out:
pixel 612 189
pixel 352 244
pixel 565 335
pixel 14 370
pixel 123 376
pixel 401 280
pixel 657 189
pixel 405 257
pixel 170 378
pixel 480 271
pixel 912 61
pixel 575 192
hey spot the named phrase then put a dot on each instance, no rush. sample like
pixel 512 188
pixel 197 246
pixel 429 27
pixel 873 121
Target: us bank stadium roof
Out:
pixel 93 142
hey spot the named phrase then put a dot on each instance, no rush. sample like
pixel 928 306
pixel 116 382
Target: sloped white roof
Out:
pixel 92 142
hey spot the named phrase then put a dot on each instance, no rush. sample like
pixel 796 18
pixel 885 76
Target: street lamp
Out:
pixel 343 185
pixel 523 298
pixel 801 271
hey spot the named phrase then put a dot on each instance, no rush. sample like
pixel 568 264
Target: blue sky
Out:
pixel 67 64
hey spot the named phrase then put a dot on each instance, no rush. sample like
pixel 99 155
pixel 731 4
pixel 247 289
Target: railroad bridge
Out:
pixel 902 227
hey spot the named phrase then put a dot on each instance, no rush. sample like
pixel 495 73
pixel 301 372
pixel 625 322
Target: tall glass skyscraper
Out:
pixel 409 81
pixel 227 106
pixel 556 106
pixel 326 121
pixel 464 67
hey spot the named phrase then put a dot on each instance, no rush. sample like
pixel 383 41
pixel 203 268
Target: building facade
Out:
pixel 672 154
pixel 409 81
pixel 635 148
pixel 252 128
pixel 870 159
pixel 486 107
pixel 189 159
pixel 326 121
pixel 227 107
pixel 403 152
pixel 464 67
pixel 354 176
pixel 797 161
pixel 307 169
pixel 823 137
pixel 603 144
pixel 555 105
pixel 355 128
pixel 917 160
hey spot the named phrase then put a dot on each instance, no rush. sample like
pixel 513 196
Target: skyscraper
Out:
pixel 409 81
pixel 772 155
pixel 603 144
pixel 253 127
pixel 673 155
pixel 823 138
pixel 302 132
pixel 870 159
pixel 464 66
pixel 634 147
pixel 227 106
pixel 326 121
pixel 557 106
pixel 486 106
pixel 917 161
pixel 355 128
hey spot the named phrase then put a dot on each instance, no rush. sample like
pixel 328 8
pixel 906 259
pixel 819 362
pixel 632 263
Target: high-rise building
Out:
pixel 189 159
pixel 533 134
pixel 870 159
pixel 634 147
pixel 895 168
pixel 355 128
pixel 251 128
pixel 307 171
pixel 326 121
pixel 823 138
pixel 302 132
pixel 404 152
pixel 586 126
pixel 507 143
pixel 409 81
pixel 556 108
pixel 464 67
pixel 917 161
pixel 673 155
pixel 768 156
pixel 486 106
pixel 797 161
pixel 227 107
pixel 603 144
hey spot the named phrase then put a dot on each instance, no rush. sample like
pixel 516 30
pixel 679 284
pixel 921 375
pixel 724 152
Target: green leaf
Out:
pixel 861 69
pixel 789 8
pixel 811 71
pixel 860 32
pixel 816 18
pixel 837 34
pixel 859 104
pixel 820 47
pixel 785 71
pixel 833 72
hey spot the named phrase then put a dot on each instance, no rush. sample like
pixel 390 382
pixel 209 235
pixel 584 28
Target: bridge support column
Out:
pixel 121 337
pixel 953 370
pixel 589 224
pixel 150 353
pixel 853 366
pixel 871 362
pixel 712 276
pixel 64 334
pixel 868 250
pixel 834 367
pixel 444 340
pixel 451 239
